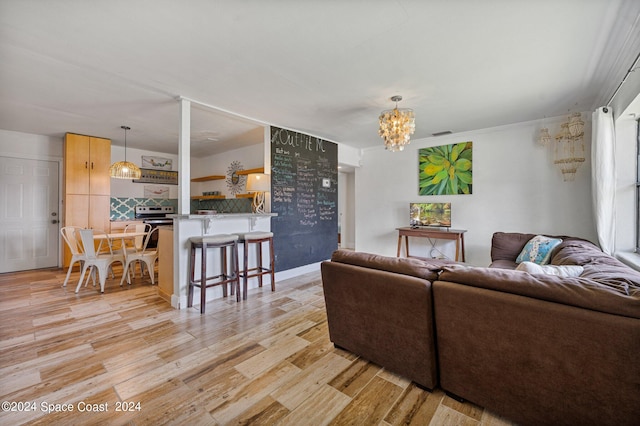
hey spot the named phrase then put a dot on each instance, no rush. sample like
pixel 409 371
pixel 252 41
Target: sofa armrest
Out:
pixel 384 317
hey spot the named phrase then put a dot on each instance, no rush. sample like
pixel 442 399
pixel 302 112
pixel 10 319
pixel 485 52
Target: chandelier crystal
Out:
pixel 396 126
pixel 569 148
pixel 576 125
pixel 544 138
pixel 125 169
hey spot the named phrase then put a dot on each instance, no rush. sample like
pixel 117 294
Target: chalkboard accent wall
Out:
pixel 304 193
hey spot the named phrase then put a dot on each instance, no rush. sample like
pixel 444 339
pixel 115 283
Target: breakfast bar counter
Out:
pixel 192 225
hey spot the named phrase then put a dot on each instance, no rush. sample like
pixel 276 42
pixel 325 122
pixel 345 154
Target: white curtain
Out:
pixel 603 177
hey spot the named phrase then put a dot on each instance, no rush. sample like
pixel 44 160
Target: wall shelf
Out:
pixel 207 178
pixel 208 197
pixel 244 195
pixel 220 177
pixel 246 172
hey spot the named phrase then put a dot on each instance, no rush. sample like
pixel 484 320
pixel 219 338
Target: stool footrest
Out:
pixel 221 243
pixel 222 277
pixel 257 270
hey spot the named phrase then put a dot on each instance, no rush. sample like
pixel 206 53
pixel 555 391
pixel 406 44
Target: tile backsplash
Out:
pixel 231 205
pixel 124 208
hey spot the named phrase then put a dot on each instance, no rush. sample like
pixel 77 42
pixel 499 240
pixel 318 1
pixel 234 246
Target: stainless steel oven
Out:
pixel 154 216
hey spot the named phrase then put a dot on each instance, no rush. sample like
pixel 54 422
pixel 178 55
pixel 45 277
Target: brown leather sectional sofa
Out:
pixel 537 349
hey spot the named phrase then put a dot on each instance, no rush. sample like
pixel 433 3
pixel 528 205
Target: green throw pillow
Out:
pixel 538 250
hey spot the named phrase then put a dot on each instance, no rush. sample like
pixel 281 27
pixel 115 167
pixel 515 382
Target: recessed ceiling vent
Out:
pixel 446 132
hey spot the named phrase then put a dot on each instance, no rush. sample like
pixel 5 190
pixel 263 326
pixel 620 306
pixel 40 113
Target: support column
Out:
pixel 184 158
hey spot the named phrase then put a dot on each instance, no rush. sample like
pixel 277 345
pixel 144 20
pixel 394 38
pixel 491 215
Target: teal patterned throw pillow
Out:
pixel 538 250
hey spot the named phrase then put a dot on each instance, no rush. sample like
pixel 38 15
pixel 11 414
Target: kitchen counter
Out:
pixel 186 226
pixel 165 262
pixel 220 215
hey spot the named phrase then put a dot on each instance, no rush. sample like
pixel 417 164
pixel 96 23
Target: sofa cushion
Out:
pixel 503 264
pixel 559 270
pixel 598 266
pixel 538 250
pixel 577 252
pixel 507 245
pixel 617 299
pixel 426 269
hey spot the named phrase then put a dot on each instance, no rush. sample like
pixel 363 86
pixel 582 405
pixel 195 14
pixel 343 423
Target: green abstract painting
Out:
pixel 446 169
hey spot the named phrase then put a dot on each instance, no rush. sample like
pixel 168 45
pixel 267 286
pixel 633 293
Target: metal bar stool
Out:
pixel 221 242
pixel 256 237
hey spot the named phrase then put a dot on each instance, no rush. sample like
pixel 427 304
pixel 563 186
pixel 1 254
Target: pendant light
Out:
pixel 396 126
pixel 125 169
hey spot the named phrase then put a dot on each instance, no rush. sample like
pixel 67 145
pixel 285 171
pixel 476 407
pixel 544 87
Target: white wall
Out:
pixel 349 156
pixel 346 209
pixel 516 188
pixel 125 188
pixel 250 157
pixel 27 145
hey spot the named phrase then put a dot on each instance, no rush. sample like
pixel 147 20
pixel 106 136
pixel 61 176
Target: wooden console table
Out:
pixel 435 233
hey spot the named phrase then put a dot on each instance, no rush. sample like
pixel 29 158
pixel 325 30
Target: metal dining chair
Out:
pixel 138 242
pixel 77 253
pixel 145 255
pixel 97 261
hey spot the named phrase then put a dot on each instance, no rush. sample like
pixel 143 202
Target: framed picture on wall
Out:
pixel 157 163
pixel 158 176
pixel 446 169
pixel 156 191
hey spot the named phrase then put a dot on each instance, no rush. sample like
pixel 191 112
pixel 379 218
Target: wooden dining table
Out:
pixel 118 235
pixel 100 237
pixel 122 236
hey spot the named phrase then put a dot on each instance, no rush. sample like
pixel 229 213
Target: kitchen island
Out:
pixel 192 225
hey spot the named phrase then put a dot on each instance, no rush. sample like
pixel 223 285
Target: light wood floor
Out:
pixel 267 360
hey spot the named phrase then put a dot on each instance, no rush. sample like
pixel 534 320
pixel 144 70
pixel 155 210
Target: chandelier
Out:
pixel 569 148
pixel 544 138
pixel 396 126
pixel 125 169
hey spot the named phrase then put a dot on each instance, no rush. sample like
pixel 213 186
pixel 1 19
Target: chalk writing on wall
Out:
pixel 304 193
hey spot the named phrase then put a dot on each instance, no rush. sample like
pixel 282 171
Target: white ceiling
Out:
pixel 326 68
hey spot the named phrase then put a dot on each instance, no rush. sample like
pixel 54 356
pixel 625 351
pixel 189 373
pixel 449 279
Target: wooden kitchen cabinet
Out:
pixel 87 184
pixel 87 160
pixel 87 211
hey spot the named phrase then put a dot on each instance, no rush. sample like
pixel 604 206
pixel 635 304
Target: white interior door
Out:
pixel 28 214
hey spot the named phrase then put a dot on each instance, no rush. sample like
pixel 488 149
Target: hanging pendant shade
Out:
pixel 125 169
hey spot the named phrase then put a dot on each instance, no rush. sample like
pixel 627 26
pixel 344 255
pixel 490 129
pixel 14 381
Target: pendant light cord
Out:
pixel 125 140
